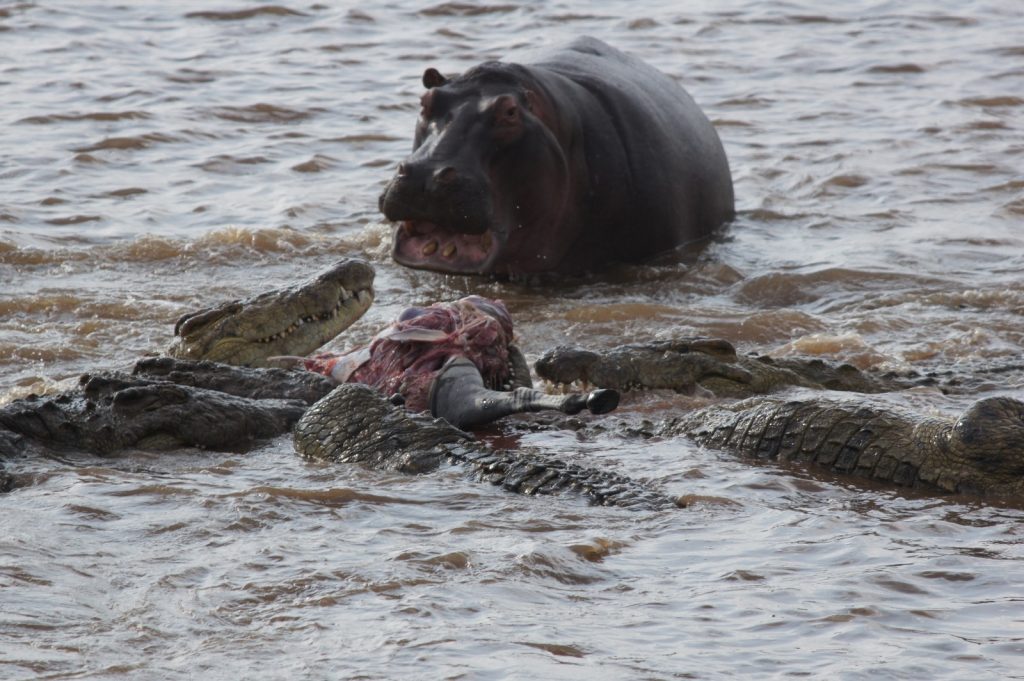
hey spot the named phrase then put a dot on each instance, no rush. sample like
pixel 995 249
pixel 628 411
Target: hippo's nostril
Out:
pixel 445 175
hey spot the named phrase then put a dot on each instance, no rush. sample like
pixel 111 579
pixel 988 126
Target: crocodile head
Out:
pixel 987 444
pixel 290 321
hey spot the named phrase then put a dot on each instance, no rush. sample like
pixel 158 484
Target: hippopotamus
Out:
pixel 586 157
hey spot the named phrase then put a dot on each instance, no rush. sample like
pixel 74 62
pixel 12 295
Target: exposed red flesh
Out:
pixel 474 327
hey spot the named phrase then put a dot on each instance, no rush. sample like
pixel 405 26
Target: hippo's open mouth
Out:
pixel 427 245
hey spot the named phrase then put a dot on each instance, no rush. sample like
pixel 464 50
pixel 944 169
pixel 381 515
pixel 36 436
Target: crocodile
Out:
pixel 979 453
pixel 455 360
pixel 356 424
pixel 168 402
pixel 708 366
pixel 290 321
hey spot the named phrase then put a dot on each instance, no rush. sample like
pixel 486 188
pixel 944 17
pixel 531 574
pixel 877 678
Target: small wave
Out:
pixel 769 215
pixel 989 102
pixel 313 165
pixel 226 164
pixel 556 649
pixel 608 312
pixel 191 76
pixel 987 124
pixel 785 289
pixel 897 68
pixel 456 560
pixel 356 15
pixel 642 24
pixel 1015 207
pixel 1005 299
pixel 598 549
pixel 128 143
pixel 731 123
pixel 562 565
pixel 153 491
pixel 229 243
pixel 749 102
pixel 16 353
pixel 371 137
pixel 74 220
pixel 126 192
pixel 87 158
pixel 465 9
pixel 103 116
pixel 769 326
pixel 850 347
pixel 334 497
pixel 261 113
pixel 845 181
pixel 242 14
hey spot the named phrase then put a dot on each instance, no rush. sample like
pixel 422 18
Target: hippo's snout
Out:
pixel 437 193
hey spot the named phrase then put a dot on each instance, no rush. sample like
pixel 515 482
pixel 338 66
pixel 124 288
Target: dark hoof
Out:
pixel 602 401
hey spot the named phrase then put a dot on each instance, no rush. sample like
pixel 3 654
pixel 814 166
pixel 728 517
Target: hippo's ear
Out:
pixel 432 78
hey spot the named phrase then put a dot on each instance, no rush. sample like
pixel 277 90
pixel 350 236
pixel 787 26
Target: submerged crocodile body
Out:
pixel 979 453
pixel 355 424
pixel 691 364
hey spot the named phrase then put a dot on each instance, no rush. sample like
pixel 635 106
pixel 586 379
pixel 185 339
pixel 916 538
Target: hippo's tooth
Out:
pixel 486 241
pixel 430 248
pixel 449 250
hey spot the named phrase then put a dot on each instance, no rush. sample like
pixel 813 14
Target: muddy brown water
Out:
pixel 156 157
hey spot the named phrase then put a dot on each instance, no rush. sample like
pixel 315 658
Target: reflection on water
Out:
pixel 159 157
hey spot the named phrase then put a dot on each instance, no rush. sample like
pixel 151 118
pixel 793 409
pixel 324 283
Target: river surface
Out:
pixel 158 157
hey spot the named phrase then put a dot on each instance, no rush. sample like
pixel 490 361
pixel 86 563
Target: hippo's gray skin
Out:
pixel 585 157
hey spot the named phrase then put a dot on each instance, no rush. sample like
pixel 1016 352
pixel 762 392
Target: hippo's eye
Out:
pixel 507 111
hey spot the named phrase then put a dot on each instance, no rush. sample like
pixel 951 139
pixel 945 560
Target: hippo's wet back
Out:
pixel 586 157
